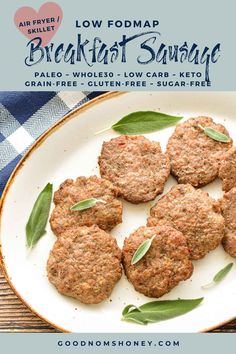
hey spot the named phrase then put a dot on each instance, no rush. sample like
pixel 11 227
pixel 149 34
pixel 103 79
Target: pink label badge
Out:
pixel 43 24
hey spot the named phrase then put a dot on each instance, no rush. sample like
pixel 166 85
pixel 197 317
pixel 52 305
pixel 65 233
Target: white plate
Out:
pixel 71 149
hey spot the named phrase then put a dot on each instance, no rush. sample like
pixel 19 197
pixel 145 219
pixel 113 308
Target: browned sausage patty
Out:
pixel 136 166
pixel 106 216
pixel 227 171
pixel 228 209
pixel 165 264
pixel 195 214
pixel 85 264
pixel 194 156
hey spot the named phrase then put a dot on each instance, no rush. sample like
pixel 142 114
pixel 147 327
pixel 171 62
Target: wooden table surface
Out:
pixel 16 317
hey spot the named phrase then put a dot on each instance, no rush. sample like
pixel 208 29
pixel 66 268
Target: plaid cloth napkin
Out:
pixel 24 116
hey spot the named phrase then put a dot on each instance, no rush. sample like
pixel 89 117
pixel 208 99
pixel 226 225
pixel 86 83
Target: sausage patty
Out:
pixel 136 166
pixel 105 215
pixel 85 264
pixel 194 156
pixel 195 214
pixel 228 209
pixel 227 171
pixel 164 265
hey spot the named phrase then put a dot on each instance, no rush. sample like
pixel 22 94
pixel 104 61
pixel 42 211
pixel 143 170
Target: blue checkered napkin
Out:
pixel 24 116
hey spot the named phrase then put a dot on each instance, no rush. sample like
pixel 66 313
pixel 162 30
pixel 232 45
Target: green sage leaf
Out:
pixel 222 273
pixel 219 276
pixel 142 250
pixel 142 122
pixel 35 227
pixel 129 308
pixel 215 135
pixel 86 204
pixel 137 317
pixel 156 311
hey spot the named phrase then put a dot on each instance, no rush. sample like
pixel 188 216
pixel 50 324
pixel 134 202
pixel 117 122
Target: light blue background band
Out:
pixel 205 23
pixel 148 343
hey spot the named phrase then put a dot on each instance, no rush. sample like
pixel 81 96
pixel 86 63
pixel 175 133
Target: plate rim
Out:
pixel 38 142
